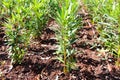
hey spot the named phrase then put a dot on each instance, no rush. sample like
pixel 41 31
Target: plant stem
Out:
pixel 65 67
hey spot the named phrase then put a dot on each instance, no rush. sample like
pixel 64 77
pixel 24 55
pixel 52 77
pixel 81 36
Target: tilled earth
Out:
pixel 39 62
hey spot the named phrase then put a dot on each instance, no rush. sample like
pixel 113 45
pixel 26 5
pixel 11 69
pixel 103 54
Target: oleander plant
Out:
pixel 17 35
pixel 25 20
pixel 69 23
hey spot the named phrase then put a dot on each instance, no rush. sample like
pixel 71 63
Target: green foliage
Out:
pixel 28 18
pixel 69 23
pixel 106 13
pixel 40 10
pixel 53 6
pixel 24 19
pixel 16 37
pixel 16 33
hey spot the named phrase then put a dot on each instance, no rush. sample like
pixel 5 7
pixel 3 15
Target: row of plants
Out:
pixel 106 15
pixel 26 19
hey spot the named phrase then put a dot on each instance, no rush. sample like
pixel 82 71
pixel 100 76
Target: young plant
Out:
pixel 106 15
pixel 24 18
pixel 40 11
pixel 17 35
pixel 109 25
pixel 68 24
pixel 17 38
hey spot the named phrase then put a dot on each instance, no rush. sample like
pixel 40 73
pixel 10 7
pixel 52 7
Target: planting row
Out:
pixel 24 21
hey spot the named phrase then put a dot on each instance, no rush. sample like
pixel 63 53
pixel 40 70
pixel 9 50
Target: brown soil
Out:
pixel 39 62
